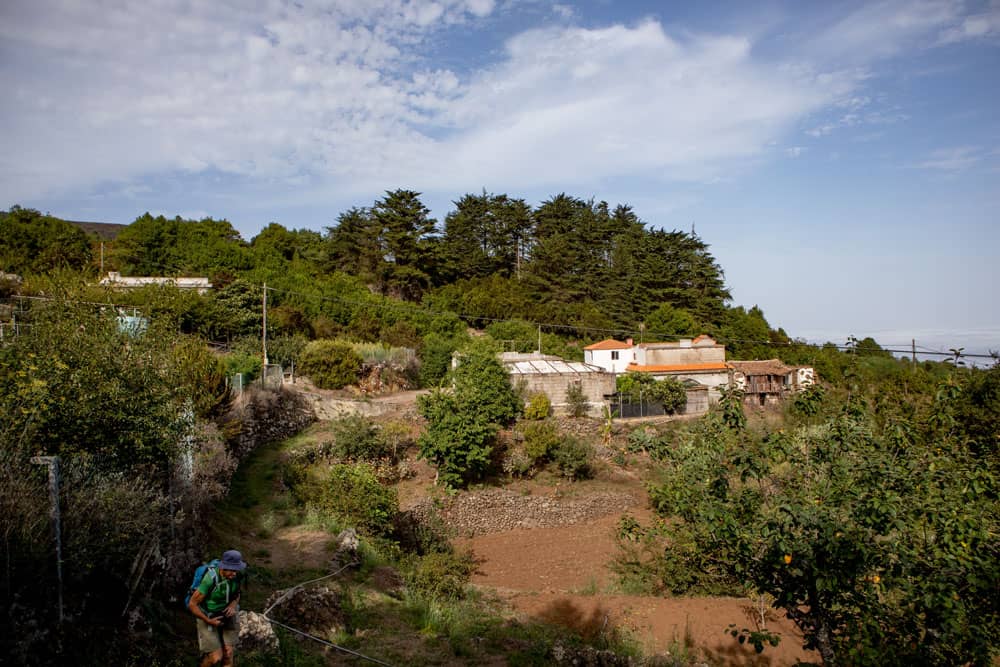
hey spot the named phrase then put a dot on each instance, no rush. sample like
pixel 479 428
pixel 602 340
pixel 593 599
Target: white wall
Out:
pixel 603 359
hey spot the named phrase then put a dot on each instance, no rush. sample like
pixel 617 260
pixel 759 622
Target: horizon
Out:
pixel 842 163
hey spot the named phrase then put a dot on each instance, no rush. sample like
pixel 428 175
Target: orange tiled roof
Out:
pixel 678 368
pixel 609 344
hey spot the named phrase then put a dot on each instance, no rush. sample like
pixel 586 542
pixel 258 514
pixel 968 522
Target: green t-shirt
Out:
pixel 218 591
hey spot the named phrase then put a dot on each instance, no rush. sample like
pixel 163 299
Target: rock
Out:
pixel 497 510
pixel 256 634
pixel 347 549
pixel 317 611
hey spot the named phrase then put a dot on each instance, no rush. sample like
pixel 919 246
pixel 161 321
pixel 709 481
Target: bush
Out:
pixel 330 364
pixel 285 350
pixel 576 400
pixel 573 456
pixel 241 362
pixel 540 440
pixel 441 574
pixel 637 386
pixel 358 439
pixel 462 423
pixel 352 494
pixel 539 406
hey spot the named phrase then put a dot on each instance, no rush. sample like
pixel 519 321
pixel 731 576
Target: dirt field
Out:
pixel 553 564
pixel 552 573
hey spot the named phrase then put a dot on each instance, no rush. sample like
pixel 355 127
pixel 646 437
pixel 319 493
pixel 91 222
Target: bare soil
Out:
pixel 545 547
pixel 560 575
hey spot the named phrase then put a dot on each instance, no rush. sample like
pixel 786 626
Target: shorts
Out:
pixel 208 635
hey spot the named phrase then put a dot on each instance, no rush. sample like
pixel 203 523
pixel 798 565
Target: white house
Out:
pixel 612 355
pixel 115 279
pixel 699 362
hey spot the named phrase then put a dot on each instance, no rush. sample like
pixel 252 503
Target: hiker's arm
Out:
pixel 231 607
pixel 193 605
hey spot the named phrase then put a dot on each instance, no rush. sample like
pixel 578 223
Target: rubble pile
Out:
pixel 498 510
pixel 256 634
pixel 317 611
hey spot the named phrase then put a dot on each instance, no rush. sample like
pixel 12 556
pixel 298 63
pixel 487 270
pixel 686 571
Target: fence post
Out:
pixel 53 463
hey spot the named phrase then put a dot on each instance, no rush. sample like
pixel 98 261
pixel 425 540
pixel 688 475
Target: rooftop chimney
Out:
pixel 628 341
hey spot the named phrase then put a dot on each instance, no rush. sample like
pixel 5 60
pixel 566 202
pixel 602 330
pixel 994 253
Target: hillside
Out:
pixel 105 231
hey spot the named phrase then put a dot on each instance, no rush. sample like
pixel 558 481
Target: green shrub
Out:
pixel 541 439
pixel 462 424
pixel 638 386
pixel 441 574
pixel 435 358
pixel 241 362
pixel 352 494
pixel 330 364
pixel 358 439
pixel 573 458
pixel 539 406
pixel 285 350
pixel 576 400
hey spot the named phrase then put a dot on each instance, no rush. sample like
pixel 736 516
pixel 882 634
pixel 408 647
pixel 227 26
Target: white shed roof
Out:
pixel 550 367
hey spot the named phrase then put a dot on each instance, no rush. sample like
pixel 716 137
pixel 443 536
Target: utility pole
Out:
pixel 539 339
pixel 102 258
pixel 913 347
pixel 264 330
pixel 53 463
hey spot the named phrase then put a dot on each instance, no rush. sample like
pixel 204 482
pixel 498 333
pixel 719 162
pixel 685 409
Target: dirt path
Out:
pixel 560 575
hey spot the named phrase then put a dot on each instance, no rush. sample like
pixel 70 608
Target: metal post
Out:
pixel 53 463
pixel 264 332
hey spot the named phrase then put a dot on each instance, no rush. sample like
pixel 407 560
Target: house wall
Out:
pixel 603 359
pixel 697 402
pixel 554 385
pixel 804 377
pixel 654 356
pixel 711 380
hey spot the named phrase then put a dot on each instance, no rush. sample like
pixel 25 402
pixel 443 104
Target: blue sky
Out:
pixel 842 159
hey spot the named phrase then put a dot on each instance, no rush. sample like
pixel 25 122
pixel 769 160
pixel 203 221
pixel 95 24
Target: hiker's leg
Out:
pixel 208 644
pixel 227 656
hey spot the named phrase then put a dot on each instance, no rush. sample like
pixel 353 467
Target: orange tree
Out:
pixel 879 541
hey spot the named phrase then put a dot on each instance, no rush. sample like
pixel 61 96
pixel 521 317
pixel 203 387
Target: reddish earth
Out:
pixel 557 575
pixel 560 574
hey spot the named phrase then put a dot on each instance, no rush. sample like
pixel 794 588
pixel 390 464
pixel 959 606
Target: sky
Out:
pixel 841 159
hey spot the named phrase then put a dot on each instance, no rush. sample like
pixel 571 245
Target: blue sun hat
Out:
pixel 232 560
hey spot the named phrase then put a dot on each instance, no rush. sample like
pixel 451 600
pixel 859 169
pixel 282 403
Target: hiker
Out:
pixel 215 604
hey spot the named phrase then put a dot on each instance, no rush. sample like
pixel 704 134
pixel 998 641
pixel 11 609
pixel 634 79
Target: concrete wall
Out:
pixel 697 402
pixel 674 354
pixel 711 380
pixel 554 385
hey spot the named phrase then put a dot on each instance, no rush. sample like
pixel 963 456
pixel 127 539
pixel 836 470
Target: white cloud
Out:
pixel 958 158
pixel 338 95
pixel 335 95
pixel 795 151
pixel 564 11
pixel 882 29
pixel 984 25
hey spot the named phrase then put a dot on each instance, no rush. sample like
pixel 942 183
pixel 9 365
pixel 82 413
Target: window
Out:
pixel 614 355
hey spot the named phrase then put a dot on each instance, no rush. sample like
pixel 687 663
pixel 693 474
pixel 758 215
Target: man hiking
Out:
pixel 215 604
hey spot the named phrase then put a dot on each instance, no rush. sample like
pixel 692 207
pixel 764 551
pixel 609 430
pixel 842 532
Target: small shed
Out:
pixel 553 376
pixel 767 382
